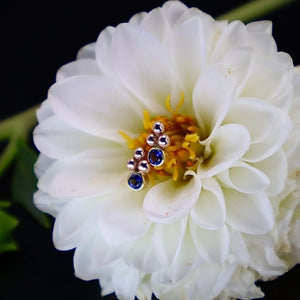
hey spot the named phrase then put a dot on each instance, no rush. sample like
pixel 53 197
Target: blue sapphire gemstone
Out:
pixel 136 181
pixel 156 157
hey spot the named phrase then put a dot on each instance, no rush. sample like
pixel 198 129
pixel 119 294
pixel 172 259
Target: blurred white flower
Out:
pixel 223 209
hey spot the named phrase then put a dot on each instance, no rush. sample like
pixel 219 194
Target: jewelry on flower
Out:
pixel 139 167
pixel 158 141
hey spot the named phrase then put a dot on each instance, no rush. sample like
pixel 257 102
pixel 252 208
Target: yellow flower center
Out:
pixel 184 152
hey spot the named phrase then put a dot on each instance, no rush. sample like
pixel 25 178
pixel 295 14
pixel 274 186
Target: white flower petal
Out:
pixel 121 217
pixel 249 213
pixel 211 279
pixel 85 174
pixel 167 239
pixel 103 52
pixel 233 35
pixel 244 178
pixel 44 111
pixel 256 115
pixel 273 141
pixel 174 10
pixel 266 262
pixel 155 22
pixel 78 67
pixel 125 281
pixel 279 68
pixel 85 102
pixel 72 222
pixel 227 146
pixel 239 248
pixel 260 26
pixel 239 62
pixel 93 254
pixel 142 255
pixel 87 52
pixel 212 96
pixel 186 260
pixel 275 167
pixel 149 79
pixel 170 201
pixel 42 164
pixel 58 140
pixel 210 212
pixel 242 285
pixel 47 203
pixel 213 245
pixel 189 37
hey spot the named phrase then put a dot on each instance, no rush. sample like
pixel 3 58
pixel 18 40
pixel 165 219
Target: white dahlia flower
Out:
pixel 206 114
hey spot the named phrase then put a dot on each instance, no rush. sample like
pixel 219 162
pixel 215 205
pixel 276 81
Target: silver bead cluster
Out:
pixel 139 165
pixel 158 138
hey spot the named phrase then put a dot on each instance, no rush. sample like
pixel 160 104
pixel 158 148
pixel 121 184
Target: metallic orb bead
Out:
pixel 139 153
pixel 151 140
pixel 136 181
pixel 156 157
pixel 164 141
pixel 144 166
pixel 158 128
pixel 131 164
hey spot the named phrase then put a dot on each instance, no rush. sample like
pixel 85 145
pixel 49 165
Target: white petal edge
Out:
pixel 249 213
pixel 227 146
pixel 212 97
pixel 121 218
pixel 170 201
pixel 87 52
pixel 213 245
pixel 209 211
pixel 78 67
pixel 151 79
pixel 244 178
pixel 96 105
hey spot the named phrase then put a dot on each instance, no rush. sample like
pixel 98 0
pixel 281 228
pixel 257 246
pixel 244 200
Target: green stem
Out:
pixel 254 9
pixel 18 125
pixel 8 154
pixel 13 129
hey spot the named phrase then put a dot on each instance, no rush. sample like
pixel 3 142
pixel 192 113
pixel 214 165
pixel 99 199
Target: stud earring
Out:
pixel 138 167
pixel 158 141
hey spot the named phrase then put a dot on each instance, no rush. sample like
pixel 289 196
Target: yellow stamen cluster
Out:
pixel 184 151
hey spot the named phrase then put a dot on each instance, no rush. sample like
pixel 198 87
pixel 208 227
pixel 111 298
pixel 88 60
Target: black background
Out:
pixel 37 37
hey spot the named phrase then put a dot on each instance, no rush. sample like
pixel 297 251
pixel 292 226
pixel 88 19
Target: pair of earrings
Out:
pixel 139 165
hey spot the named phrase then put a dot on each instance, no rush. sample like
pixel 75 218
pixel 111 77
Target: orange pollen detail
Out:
pixel 184 152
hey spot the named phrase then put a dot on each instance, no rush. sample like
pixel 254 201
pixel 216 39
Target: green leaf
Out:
pixel 24 182
pixel 7 224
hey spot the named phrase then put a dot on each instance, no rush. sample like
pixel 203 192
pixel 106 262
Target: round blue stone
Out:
pixel 156 157
pixel 135 181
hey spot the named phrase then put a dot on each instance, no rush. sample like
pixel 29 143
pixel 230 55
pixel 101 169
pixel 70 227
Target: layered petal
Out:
pixel 73 221
pixel 227 146
pixel 90 173
pixel 170 201
pixel 121 217
pixel 78 67
pixel 103 52
pixel 212 96
pixel 87 52
pixel 50 138
pixel 213 245
pixel 210 212
pixel 244 178
pixel 249 213
pixel 167 240
pixel 148 79
pixel 85 103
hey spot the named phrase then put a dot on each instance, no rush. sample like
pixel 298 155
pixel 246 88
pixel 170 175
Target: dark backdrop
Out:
pixel 37 37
